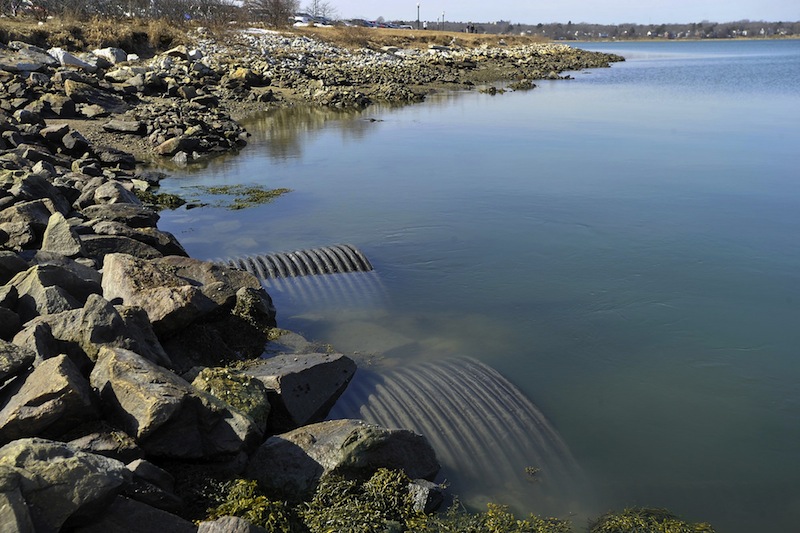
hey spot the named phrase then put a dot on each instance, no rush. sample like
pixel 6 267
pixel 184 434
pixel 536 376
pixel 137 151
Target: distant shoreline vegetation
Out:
pixel 285 13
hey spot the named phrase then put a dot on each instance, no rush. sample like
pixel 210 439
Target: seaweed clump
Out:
pixel 381 504
pixel 245 500
pixel 496 519
pixel 651 520
pixel 161 200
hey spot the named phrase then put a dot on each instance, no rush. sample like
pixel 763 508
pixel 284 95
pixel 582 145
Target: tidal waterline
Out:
pixel 622 246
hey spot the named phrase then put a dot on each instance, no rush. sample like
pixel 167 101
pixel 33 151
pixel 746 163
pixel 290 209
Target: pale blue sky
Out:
pixel 599 11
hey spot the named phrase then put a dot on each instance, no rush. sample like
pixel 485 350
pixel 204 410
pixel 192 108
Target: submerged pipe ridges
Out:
pixel 335 259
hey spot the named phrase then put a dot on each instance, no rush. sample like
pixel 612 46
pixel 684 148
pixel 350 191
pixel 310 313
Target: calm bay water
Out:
pixel 624 246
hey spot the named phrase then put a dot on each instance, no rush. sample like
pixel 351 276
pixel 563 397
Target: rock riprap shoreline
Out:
pixel 124 362
pixel 181 103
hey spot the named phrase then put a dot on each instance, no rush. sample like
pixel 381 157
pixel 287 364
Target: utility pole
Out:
pixel 417 15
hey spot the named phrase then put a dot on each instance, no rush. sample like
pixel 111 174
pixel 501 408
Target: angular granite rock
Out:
pixel 163 241
pixel 13 360
pixel 85 93
pixel 46 289
pixel 165 414
pixel 60 483
pixel 135 216
pixel 47 402
pixel 303 388
pixel 59 237
pixel 175 291
pixel 292 463
pixel 14 514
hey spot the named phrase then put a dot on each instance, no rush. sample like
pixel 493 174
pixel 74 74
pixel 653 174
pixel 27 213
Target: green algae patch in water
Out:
pixel 241 196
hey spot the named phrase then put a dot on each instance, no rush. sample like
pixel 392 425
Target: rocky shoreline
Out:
pixel 124 363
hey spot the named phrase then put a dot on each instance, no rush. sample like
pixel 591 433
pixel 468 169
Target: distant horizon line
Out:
pixel 704 21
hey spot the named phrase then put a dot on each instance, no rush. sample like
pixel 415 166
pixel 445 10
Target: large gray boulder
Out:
pixel 59 105
pixel 226 335
pixel 17 235
pixel 303 388
pixel 292 463
pixel 171 301
pixel 49 401
pixel 164 413
pixel 60 485
pixel 113 192
pixel 81 270
pixel 25 60
pixel 175 291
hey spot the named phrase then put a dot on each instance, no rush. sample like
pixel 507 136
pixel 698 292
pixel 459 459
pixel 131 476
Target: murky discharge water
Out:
pixel 622 248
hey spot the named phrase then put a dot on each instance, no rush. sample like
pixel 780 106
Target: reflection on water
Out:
pixel 282 133
pixel 622 247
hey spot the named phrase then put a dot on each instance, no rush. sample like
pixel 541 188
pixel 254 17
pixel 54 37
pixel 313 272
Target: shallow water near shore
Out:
pixel 623 247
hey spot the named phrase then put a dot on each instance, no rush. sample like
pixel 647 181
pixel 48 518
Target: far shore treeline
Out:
pixel 284 13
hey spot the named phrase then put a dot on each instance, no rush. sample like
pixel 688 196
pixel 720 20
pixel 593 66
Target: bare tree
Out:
pixel 11 7
pixel 321 8
pixel 273 12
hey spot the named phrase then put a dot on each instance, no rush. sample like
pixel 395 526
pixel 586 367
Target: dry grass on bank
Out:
pixel 359 37
pixel 143 37
pixel 146 37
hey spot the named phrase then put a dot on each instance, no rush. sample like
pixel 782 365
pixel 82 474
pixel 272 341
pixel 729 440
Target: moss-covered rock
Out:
pixel 243 393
